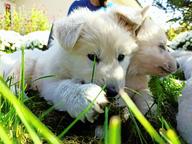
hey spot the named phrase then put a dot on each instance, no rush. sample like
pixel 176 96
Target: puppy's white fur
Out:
pixel 76 36
pixel 152 58
pixel 184 116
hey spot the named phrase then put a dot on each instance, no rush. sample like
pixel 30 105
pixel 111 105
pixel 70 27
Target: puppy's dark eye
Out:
pixel 161 46
pixel 121 57
pixel 93 57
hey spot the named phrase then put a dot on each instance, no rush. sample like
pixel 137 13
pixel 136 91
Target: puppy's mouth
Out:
pixel 163 69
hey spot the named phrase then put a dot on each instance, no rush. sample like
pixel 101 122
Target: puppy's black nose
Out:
pixel 178 65
pixel 111 91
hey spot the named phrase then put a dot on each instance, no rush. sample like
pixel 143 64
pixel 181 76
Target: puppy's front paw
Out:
pixel 91 93
pixel 94 94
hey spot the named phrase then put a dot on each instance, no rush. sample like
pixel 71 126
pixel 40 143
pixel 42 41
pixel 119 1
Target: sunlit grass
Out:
pixel 27 117
pixel 115 130
pixel 14 106
pixel 4 136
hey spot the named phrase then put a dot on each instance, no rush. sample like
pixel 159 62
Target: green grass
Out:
pixel 115 130
pixel 4 135
pixel 29 120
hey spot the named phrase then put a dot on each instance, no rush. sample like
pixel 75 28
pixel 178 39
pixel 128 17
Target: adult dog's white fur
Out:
pixel 103 33
pixel 184 116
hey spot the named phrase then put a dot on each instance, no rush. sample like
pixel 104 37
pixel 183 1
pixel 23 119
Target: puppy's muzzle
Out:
pixel 111 91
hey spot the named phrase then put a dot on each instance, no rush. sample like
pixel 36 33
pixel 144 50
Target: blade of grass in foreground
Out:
pixel 4 136
pixel 115 130
pixel 29 116
pixel 153 133
pixel 173 137
pixel 80 115
pixel 30 129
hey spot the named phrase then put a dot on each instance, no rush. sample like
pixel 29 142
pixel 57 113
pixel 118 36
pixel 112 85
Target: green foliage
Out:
pixel 166 91
pixel 36 20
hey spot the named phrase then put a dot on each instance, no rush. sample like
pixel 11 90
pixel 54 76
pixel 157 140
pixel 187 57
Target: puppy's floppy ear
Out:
pixel 67 33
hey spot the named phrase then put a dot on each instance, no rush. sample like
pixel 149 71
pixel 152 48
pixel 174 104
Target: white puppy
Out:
pixel 79 39
pixel 184 116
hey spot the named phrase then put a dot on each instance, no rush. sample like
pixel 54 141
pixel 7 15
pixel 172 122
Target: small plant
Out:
pixel 11 41
pixel 19 22
pixel 183 41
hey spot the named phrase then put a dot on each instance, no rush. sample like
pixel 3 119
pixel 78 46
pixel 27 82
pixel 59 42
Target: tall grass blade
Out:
pixel 106 128
pixel 22 75
pixel 164 135
pixel 149 128
pixel 115 130
pixel 29 116
pixel 30 129
pixel 4 136
pixel 43 77
pixel 164 123
pixel 45 113
pixel 173 137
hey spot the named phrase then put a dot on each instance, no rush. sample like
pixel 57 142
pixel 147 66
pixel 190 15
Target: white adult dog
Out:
pixel 184 116
pixel 80 39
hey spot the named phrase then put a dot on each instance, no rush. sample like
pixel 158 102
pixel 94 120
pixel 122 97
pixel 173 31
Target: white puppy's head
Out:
pixel 86 36
pixel 152 57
